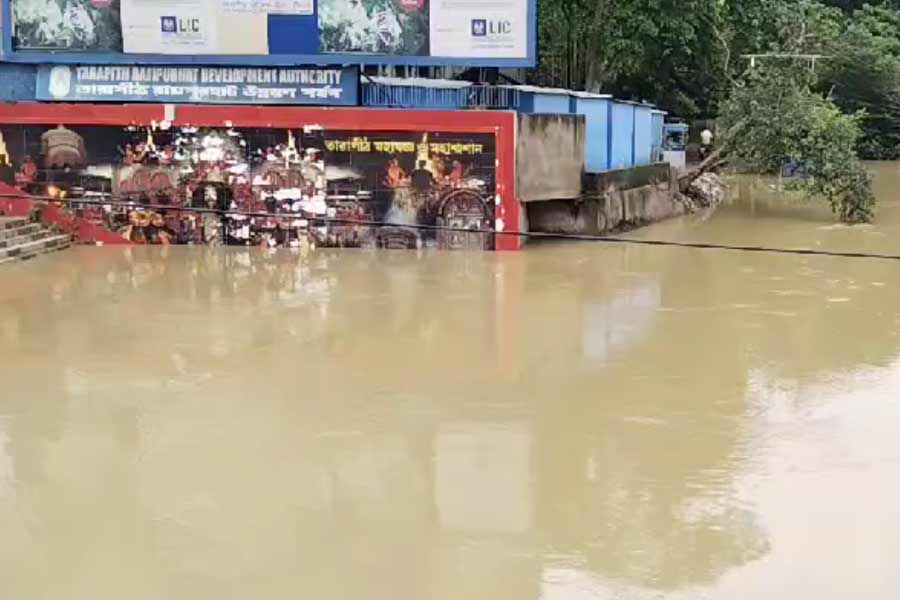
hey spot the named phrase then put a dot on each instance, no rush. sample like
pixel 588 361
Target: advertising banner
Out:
pixel 493 28
pixel 317 187
pixel 81 25
pixel 168 27
pixel 498 33
pixel 374 26
pixel 215 85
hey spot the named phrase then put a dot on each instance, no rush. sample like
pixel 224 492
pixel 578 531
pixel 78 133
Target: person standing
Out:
pixel 706 143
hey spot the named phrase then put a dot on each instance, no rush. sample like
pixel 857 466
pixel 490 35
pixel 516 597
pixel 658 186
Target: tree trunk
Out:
pixel 595 75
pixel 712 161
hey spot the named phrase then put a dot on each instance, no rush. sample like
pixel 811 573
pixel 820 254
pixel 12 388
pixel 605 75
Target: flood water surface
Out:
pixel 575 421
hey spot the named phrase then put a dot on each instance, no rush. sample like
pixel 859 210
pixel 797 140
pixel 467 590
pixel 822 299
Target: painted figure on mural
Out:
pixel 28 172
pixel 128 155
pixel 395 176
pixel 457 173
pixel 62 147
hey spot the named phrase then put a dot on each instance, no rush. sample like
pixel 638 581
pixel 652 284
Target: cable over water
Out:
pixel 423 227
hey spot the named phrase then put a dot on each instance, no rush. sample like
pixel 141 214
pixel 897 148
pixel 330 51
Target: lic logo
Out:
pixel 491 28
pixel 183 28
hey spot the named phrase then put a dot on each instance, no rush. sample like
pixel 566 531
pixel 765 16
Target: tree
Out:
pixel 657 50
pixel 774 114
pixel 864 75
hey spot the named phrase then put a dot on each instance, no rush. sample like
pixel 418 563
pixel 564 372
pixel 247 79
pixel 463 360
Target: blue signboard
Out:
pixel 499 33
pixel 213 85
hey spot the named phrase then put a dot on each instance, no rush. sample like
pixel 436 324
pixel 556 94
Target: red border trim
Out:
pixel 501 123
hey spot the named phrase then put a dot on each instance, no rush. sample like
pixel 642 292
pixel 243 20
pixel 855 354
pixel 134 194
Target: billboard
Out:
pixel 269 187
pixel 317 32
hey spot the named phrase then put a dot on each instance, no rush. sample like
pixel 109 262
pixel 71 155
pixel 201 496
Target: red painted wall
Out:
pixel 13 202
pixel 500 123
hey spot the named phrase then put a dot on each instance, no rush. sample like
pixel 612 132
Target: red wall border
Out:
pixel 501 123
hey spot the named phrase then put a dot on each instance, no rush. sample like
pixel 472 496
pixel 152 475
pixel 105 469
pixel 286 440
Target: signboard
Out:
pixel 497 33
pixel 216 85
pixel 462 28
pixel 404 179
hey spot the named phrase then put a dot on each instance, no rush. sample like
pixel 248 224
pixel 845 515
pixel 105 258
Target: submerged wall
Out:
pixel 613 201
pixel 305 165
pixel 549 157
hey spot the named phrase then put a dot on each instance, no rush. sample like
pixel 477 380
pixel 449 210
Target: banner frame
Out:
pixel 8 54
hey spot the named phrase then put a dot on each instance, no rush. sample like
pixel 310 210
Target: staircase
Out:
pixel 21 239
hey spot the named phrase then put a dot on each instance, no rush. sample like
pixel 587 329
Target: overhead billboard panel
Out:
pixel 278 32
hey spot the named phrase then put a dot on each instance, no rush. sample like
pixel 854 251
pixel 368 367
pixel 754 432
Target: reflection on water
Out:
pixel 575 421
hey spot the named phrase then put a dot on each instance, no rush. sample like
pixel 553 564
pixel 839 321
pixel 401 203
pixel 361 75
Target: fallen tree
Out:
pixel 772 115
pixel 712 162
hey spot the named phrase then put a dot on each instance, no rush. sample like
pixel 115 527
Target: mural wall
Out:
pixel 266 187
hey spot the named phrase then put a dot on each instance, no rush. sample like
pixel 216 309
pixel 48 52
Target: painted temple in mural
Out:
pixel 264 187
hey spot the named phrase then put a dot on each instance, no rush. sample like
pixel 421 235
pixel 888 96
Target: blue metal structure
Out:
pixel 544 101
pixel 397 93
pixel 596 109
pixel 289 45
pixel 622 135
pixel 643 135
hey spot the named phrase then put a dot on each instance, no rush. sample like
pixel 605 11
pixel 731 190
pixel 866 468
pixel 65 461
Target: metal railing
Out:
pixel 485 97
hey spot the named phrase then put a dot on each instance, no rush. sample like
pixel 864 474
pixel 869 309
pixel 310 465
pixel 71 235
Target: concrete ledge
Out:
pixel 626 179
pixel 615 203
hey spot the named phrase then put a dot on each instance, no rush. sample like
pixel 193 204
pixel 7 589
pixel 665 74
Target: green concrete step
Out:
pixel 14 232
pixel 29 256
pixel 13 222
pixel 29 249
pixel 24 239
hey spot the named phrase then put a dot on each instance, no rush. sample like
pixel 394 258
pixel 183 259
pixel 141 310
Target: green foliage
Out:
pixel 663 51
pixel 684 55
pixel 689 57
pixel 864 74
pixel 774 114
pixel 828 147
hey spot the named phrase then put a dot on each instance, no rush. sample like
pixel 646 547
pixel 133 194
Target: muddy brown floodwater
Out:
pixel 576 421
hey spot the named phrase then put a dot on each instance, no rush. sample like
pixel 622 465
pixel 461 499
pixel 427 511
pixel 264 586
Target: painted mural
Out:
pixel 264 187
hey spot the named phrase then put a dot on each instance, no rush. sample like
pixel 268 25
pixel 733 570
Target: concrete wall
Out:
pixel 596 114
pixel 622 136
pixel 613 201
pixel 643 135
pixel 549 157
